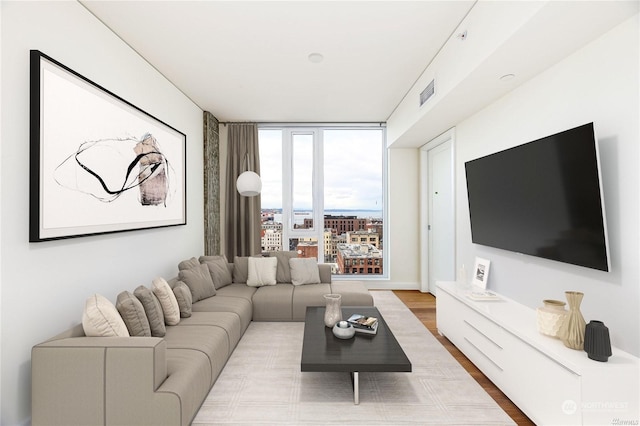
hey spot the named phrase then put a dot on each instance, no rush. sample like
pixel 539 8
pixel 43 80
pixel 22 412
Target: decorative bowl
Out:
pixel 343 330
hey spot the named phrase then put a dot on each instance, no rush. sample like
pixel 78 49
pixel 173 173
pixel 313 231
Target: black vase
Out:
pixel 597 344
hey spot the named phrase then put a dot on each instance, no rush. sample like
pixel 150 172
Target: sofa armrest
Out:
pixel 325 273
pixel 74 380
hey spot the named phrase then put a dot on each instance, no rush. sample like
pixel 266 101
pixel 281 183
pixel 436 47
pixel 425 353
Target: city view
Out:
pixel 352 243
pixel 338 169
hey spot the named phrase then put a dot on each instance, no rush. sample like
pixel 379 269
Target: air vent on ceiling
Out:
pixel 427 92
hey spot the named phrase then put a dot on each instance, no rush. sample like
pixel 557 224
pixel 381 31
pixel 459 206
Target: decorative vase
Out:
pixel 551 317
pixel 572 331
pixel 597 343
pixel 333 312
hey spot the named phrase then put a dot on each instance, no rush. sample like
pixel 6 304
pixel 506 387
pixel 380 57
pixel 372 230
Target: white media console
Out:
pixel 550 383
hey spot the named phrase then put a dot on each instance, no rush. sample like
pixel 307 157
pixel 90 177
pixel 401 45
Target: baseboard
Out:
pixel 391 285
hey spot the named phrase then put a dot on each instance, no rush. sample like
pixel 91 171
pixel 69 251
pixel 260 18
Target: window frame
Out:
pixel 288 231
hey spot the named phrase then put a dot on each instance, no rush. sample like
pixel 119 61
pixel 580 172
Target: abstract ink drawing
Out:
pixel 105 169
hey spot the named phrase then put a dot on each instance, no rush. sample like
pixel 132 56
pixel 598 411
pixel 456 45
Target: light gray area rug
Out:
pixel 262 383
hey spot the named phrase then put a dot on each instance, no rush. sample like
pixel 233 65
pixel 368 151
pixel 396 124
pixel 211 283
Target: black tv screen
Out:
pixel 542 198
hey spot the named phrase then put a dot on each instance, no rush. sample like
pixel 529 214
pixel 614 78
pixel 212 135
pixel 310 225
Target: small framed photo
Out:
pixel 481 272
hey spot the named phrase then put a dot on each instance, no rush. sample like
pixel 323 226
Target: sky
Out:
pixel 352 169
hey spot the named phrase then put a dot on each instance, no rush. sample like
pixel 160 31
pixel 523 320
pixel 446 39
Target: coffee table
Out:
pixel 322 351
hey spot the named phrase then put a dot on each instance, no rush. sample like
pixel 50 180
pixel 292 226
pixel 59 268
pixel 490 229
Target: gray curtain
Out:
pixel 242 213
pixel 211 185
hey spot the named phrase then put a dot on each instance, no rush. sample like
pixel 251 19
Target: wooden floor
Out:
pixel 423 305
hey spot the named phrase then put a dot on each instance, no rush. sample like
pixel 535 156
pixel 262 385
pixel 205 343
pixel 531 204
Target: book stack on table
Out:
pixel 363 323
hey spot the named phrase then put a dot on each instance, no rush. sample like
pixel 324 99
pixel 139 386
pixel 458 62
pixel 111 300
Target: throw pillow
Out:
pixel 219 270
pixel 240 269
pixel 304 271
pixel 153 309
pixel 262 271
pixel 283 274
pixel 199 281
pixel 100 318
pixel 184 298
pixel 133 315
pixel 188 264
pixel 167 299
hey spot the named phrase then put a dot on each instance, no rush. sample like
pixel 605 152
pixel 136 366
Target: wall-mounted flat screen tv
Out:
pixel 543 198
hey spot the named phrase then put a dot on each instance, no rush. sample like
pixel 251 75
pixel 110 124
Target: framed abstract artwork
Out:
pixel 98 164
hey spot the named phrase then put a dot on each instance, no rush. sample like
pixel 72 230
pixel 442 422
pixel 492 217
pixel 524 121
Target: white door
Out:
pixel 437 212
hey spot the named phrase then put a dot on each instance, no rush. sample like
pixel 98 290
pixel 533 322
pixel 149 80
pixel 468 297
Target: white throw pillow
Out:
pixel 304 271
pixel 167 299
pixel 262 271
pixel 100 318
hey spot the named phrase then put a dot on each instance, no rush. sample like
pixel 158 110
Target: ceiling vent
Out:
pixel 427 92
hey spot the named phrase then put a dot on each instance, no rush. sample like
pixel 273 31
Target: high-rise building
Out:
pixel 359 259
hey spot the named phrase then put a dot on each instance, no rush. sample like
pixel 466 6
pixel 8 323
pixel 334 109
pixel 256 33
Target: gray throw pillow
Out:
pixel 219 270
pixel 283 273
pixel 304 271
pixel 184 298
pixel 133 314
pixel 240 269
pixel 153 309
pixel 199 281
pixel 188 264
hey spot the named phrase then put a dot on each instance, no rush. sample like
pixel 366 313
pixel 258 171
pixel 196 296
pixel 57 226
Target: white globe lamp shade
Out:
pixel 249 184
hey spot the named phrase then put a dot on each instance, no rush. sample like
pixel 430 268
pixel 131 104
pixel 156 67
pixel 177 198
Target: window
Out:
pixel 323 194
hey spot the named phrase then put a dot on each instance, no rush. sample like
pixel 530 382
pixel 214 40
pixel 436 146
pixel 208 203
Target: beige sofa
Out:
pixel 80 380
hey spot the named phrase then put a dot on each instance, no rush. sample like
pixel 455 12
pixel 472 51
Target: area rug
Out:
pixel 262 383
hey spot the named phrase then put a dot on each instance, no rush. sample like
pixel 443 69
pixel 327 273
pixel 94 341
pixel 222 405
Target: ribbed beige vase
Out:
pixel 333 311
pixel 572 331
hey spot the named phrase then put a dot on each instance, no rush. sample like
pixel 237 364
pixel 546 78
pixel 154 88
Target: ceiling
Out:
pixel 249 61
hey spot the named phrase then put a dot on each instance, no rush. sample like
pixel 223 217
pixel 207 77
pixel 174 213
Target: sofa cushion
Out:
pixel 133 315
pixel 304 271
pixel 188 264
pixel 262 271
pixel 153 309
pixel 199 281
pixel 308 295
pixel 184 299
pixel 283 274
pixel 236 305
pixel 211 341
pixel 170 308
pixel 101 319
pixel 354 293
pixel 237 290
pixel 273 303
pixel 228 321
pixel 219 270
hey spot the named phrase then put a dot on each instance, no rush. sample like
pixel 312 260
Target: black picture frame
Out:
pixel 98 164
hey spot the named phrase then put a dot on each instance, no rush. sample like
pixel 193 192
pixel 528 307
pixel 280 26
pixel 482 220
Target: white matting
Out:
pixel 262 383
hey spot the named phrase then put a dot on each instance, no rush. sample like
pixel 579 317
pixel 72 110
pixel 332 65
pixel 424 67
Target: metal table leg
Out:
pixel 356 388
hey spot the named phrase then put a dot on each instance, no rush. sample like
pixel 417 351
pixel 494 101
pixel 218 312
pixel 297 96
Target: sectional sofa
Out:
pixel 153 357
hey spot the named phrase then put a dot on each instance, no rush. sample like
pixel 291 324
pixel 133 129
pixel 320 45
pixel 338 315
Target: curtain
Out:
pixel 242 213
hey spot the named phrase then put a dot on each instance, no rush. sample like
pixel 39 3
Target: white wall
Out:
pixel 403 202
pixel 45 285
pixel 598 83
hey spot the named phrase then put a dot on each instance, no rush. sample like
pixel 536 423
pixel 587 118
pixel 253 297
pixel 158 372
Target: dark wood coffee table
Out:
pixel 322 351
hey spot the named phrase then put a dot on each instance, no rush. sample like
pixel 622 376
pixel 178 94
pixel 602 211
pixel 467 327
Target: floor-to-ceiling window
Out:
pixel 323 195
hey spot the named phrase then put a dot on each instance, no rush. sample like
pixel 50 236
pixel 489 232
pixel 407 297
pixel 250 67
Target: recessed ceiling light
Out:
pixel 316 58
pixel 507 77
